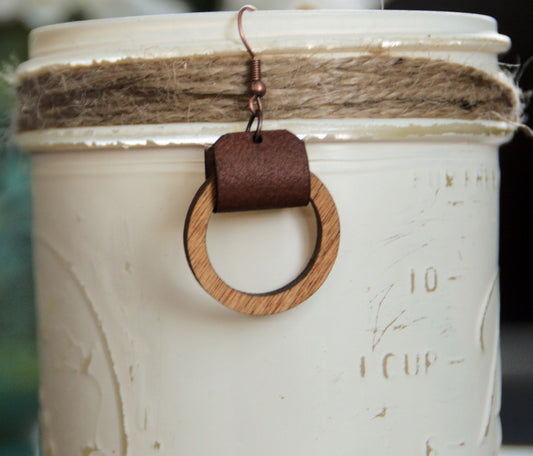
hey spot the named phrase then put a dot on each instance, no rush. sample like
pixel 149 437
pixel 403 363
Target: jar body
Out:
pixel 397 352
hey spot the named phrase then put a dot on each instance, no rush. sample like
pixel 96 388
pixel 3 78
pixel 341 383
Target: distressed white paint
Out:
pixel 396 354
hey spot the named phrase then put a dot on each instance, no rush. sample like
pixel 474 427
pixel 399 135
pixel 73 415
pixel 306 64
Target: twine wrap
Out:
pixel 213 89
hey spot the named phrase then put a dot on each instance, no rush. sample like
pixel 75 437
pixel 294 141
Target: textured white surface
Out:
pixel 398 349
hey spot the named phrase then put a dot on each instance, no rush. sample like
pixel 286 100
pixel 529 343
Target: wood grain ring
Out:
pixel 285 298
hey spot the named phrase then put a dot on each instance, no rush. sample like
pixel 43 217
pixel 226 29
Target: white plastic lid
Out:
pixel 305 30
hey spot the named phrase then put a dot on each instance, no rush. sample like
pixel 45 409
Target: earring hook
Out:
pixel 257 87
pixel 241 32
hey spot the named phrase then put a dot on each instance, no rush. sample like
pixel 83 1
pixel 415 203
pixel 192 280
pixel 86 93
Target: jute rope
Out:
pixel 214 89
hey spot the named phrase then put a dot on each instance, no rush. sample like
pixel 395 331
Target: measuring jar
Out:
pixel 397 353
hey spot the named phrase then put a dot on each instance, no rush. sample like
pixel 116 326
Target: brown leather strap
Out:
pixel 273 173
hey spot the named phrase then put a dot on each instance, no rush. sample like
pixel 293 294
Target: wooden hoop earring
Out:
pixel 282 299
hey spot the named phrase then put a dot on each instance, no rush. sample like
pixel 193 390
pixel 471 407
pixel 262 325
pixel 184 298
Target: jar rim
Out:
pixel 176 35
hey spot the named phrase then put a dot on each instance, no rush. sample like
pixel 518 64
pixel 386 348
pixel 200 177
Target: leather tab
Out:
pixel 270 174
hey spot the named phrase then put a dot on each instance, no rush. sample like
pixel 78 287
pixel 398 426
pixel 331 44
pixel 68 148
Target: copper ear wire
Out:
pixel 241 33
pixel 257 87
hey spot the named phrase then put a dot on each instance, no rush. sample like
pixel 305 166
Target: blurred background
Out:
pixel 18 360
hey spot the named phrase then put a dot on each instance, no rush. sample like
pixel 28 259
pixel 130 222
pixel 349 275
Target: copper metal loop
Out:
pixel 241 32
pixel 259 117
pixel 257 87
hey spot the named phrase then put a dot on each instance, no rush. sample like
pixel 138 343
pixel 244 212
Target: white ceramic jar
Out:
pixel 396 354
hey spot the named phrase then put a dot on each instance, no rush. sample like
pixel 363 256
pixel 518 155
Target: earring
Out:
pixel 254 171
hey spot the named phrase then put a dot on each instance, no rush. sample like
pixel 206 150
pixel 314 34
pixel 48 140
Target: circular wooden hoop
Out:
pixel 285 298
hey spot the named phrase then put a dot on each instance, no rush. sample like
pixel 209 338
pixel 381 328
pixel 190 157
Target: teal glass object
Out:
pixel 18 358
